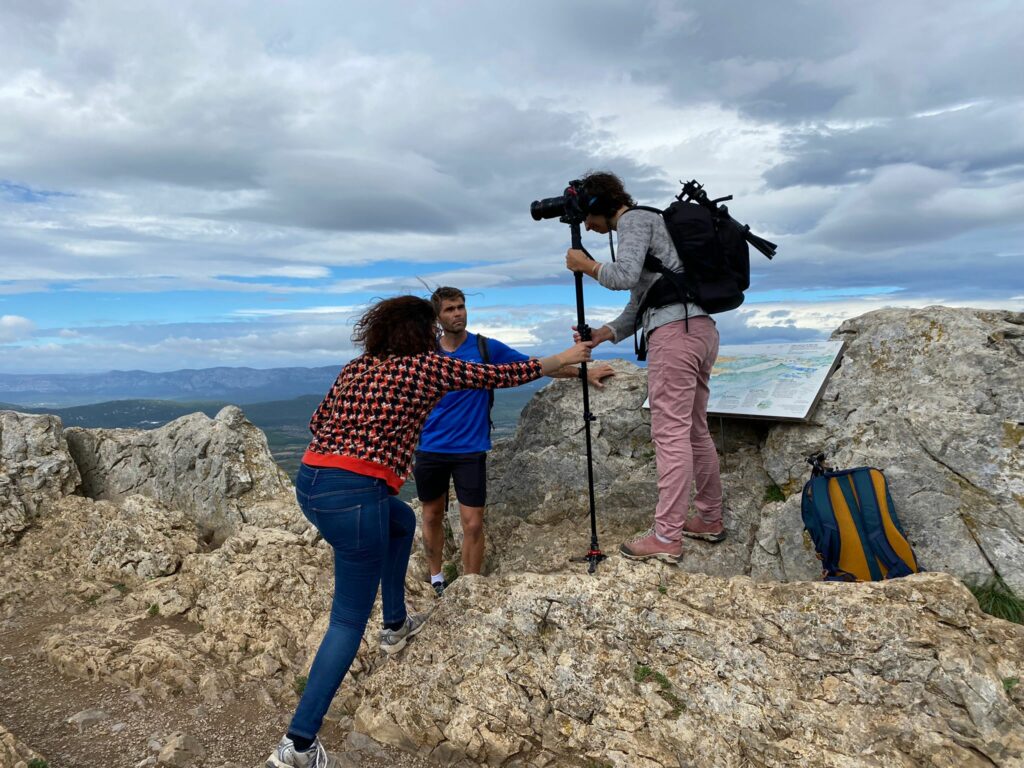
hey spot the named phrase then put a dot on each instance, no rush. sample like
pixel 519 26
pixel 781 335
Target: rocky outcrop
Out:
pixel 932 396
pixel 35 470
pixel 14 754
pixel 176 563
pixel 169 615
pixel 642 665
pixel 90 552
pixel 538 504
pixel 218 470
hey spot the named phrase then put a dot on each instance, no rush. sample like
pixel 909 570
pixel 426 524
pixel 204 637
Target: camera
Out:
pixel 571 206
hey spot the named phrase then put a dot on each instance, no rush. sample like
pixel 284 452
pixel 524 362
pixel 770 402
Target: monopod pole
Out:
pixel 594 555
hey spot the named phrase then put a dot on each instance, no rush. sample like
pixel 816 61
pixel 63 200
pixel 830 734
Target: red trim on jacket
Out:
pixel 353 464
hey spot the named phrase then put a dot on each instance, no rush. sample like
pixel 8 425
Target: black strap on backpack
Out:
pixel 485 355
pixel 713 249
pixel 672 287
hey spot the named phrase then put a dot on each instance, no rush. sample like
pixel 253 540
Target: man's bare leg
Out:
pixel 433 532
pixel 472 538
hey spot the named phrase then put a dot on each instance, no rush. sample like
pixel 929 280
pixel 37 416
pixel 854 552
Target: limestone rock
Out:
pixel 90 552
pixel 934 398
pixel 143 539
pixel 35 470
pixel 14 754
pixel 643 665
pixel 218 470
pixel 538 503
pixel 250 612
pixel 181 751
pixel 87 717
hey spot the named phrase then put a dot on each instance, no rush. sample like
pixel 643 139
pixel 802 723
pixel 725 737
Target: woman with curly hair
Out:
pixel 364 435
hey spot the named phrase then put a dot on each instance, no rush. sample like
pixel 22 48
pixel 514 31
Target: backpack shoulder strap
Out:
pixel 871 510
pixel 485 355
pixel 819 506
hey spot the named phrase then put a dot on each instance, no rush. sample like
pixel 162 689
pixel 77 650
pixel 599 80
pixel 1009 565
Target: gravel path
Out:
pixel 36 702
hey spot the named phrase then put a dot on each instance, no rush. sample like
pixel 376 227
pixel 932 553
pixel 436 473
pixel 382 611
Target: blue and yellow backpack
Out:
pixel 852 521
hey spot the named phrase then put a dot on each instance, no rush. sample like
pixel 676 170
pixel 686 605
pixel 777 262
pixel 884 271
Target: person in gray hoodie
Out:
pixel 682 348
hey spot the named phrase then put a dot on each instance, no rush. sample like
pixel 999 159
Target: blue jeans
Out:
pixel 371 534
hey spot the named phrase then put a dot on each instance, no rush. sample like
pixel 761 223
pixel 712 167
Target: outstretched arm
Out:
pixel 596 374
pixel 453 373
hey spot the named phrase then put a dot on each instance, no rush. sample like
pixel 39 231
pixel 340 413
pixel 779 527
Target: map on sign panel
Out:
pixel 771 381
pixel 774 381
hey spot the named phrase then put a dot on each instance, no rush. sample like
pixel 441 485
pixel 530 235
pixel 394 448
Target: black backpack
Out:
pixel 712 247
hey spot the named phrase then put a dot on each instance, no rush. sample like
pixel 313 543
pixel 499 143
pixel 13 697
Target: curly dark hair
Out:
pixel 445 293
pixel 404 325
pixel 609 191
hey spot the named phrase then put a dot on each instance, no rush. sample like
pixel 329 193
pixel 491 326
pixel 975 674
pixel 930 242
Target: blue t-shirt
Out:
pixel 460 422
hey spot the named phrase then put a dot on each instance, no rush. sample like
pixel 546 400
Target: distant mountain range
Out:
pixel 285 422
pixel 233 385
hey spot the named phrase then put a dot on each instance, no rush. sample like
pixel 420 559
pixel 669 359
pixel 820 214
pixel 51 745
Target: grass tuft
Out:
pixel 772 492
pixel 300 683
pixel 154 610
pixel 997 599
pixel 450 571
pixel 643 673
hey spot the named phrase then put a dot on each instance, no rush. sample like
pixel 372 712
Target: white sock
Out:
pixel 661 538
pixel 437 578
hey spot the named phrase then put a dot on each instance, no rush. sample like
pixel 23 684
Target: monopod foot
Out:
pixel 593 557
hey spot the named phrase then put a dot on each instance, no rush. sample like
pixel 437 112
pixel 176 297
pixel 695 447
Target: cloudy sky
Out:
pixel 193 184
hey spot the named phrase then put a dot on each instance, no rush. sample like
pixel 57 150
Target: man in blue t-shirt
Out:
pixel 457 436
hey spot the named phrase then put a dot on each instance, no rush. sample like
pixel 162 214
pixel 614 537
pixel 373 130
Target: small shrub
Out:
pixel 663 590
pixel 662 681
pixel 772 492
pixel 122 588
pixel 300 683
pixel 38 762
pixel 450 571
pixel 643 673
pixel 997 599
pixel 1009 683
pixel 154 610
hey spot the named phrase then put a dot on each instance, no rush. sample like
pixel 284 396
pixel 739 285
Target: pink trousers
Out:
pixel 678 370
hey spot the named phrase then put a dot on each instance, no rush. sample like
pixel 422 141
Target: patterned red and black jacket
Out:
pixel 370 421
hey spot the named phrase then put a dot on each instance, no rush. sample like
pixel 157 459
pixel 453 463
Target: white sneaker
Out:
pixel 286 756
pixel 394 640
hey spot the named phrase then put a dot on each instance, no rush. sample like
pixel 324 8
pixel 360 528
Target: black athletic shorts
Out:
pixel 433 471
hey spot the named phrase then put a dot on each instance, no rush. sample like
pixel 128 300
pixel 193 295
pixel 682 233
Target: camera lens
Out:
pixel 548 208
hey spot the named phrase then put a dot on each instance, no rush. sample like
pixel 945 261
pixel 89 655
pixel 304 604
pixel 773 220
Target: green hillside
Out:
pixel 285 422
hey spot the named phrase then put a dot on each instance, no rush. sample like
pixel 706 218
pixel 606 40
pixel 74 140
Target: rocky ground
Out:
pixel 167 580
pixel 80 723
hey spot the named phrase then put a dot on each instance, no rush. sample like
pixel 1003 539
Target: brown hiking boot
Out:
pixel 696 528
pixel 646 545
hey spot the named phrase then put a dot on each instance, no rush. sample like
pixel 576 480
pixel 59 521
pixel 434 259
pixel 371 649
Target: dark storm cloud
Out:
pixel 974 140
